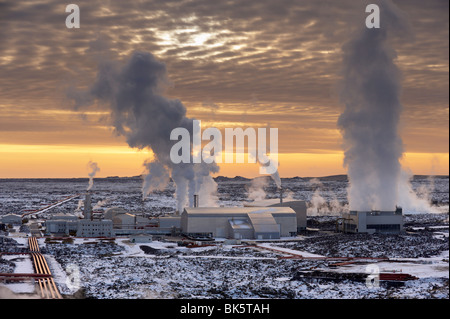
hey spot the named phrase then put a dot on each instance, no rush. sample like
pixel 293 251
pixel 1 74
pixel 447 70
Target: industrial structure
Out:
pixel 375 221
pixel 95 228
pixel 266 219
pixel 11 219
pixel 239 222
pixel 66 224
pixel 298 206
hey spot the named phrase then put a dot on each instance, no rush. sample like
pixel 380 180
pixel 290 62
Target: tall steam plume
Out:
pixel 93 166
pixel 132 92
pixel 370 122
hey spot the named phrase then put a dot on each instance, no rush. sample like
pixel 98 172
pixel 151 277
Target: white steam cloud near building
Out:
pixel 370 91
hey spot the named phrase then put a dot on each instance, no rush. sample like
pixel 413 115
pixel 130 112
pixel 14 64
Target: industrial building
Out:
pixel 110 213
pixel 65 224
pixel 125 223
pixel 129 221
pixel 61 226
pixel 124 220
pixel 388 222
pixel 95 228
pixel 11 219
pixel 239 222
pixel 298 206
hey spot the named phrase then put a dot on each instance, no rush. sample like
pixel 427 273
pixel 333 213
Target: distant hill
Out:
pixel 231 179
pixel 337 178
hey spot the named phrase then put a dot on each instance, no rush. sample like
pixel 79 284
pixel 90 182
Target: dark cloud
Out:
pixel 285 52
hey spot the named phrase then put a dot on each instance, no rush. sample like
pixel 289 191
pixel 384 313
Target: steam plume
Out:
pixel 94 169
pixel 276 175
pixel 256 190
pixel 319 206
pixel 132 93
pixel 370 122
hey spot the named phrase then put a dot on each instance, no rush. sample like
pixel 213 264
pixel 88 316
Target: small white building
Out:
pixel 141 238
pixel 11 219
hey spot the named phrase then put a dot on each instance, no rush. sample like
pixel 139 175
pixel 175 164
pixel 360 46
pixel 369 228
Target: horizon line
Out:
pixel 218 176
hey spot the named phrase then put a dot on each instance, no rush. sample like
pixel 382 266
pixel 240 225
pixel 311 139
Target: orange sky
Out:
pixel 40 161
pixel 235 64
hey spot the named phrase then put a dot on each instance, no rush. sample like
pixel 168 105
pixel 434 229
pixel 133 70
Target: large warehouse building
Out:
pixel 239 222
pixel 298 206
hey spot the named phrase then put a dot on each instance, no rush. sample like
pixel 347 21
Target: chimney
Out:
pixel 195 200
pixel 281 195
pixel 87 212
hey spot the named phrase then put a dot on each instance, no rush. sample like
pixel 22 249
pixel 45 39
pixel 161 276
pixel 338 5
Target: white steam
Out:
pixel 319 206
pixel 371 85
pixel 132 92
pixel 93 166
pixel 256 191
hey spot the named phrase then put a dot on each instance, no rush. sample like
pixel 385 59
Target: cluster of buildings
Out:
pixel 259 220
pixel 69 224
pixel 267 219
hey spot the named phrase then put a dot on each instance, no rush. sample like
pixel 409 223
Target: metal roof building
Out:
pixel 298 206
pixel 240 222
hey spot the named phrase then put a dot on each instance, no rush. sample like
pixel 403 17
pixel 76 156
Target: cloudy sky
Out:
pixel 232 63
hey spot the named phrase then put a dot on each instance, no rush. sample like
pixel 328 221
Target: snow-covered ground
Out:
pixel 23 265
pixel 123 270
pixel 162 269
pixel 19 195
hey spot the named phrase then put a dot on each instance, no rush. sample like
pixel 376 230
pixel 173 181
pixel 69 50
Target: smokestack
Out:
pixel 281 195
pixel 87 212
pixel 195 200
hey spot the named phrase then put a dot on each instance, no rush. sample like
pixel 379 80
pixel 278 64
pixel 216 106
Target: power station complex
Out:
pixel 266 219
pixel 259 220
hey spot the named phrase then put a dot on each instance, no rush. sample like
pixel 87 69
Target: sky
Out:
pixel 232 63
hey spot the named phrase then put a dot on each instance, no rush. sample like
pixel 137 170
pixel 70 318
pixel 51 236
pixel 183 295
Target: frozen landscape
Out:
pixel 101 268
